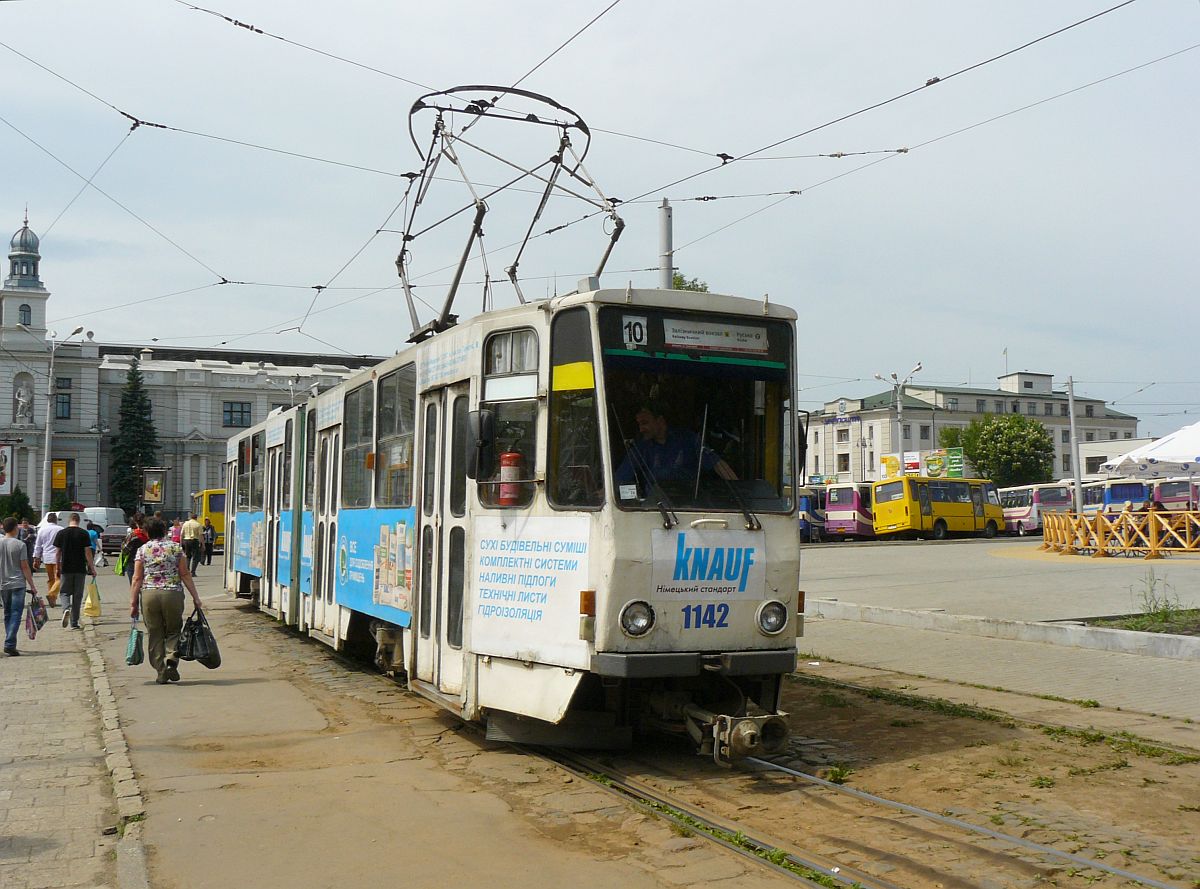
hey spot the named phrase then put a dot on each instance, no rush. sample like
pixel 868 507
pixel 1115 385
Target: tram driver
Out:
pixel 663 454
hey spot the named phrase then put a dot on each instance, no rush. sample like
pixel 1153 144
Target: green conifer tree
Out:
pixel 136 444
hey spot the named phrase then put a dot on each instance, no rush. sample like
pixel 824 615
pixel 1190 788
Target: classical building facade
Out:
pixel 848 436
pixel 199 397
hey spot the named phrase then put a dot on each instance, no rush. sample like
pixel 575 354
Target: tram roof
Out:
pixel 690 300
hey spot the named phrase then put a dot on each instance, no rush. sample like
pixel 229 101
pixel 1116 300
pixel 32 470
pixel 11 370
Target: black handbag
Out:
pixel 197 642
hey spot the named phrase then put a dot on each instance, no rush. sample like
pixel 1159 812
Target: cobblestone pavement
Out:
pixel 56 795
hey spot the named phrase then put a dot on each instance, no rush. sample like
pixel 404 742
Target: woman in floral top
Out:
pixel 160 574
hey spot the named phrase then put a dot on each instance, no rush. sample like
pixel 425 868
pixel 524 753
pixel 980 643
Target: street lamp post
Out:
pixel 898 393
pixel 52 345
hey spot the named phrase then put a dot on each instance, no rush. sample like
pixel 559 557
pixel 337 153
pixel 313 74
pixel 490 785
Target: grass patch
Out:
pixel 1121 763
pixel 933 705
pixel 1161 610
pixel 832 699
pixel 1122 742
pixel 838 774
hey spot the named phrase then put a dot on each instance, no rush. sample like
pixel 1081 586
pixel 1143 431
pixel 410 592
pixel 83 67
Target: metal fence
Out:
pixel 1150 535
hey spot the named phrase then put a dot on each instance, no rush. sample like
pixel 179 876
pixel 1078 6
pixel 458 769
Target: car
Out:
pixel 114 524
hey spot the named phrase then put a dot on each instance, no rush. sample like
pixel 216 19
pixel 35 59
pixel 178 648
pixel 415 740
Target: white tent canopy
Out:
pixel 1177 454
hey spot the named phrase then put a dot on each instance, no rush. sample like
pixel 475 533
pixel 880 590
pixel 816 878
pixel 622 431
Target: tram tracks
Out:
pixel 916 847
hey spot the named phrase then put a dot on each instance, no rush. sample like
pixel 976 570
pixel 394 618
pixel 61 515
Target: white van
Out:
pixel 112 520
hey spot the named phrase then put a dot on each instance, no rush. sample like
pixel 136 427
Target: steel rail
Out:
pixel 963 825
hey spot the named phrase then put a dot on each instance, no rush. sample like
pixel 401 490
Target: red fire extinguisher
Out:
pixel 510 474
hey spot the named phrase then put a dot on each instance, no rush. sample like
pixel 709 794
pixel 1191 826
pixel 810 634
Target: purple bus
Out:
pixel 1177 493
pixel 848 511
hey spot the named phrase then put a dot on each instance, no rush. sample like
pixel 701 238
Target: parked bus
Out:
pixel 848 511
pixel 810 507
pixel 210 504
pixel 480 513
pixel 1177 493
pixel 936 507
pixel 1024 505
pixel 1111 495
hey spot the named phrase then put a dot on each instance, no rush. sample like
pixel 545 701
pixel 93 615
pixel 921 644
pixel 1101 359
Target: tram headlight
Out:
pixel 637 618
pixel 772 618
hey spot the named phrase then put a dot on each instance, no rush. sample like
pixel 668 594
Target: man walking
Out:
pixel 76 565
pixel 44 550
pixel 15 579
pixel 191 535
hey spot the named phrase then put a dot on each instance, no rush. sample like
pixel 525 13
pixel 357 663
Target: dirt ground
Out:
pixel 1104 796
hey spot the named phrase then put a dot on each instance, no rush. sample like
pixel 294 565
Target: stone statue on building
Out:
pixel 23 405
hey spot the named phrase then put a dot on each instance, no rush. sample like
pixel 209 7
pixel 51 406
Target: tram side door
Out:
pixel 442 547
pixel 270 592
pixel 323 617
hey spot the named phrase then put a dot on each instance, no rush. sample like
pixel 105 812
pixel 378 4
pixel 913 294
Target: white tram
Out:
pixel 497 515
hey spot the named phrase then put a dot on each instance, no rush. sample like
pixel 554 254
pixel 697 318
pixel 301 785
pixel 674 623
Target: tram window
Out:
pixel 287 465
pixel 574 474
pixel 243 474
pixel 458 457
pixel 333 476
pixel 331 560
pixel 394 423
pixel 321 476
pixel 695 407
pixel 510 391
pixel 454 585
pixel 429 459
pixel 310 451
pixel 427 580
pixel 257 470
pixel 357 437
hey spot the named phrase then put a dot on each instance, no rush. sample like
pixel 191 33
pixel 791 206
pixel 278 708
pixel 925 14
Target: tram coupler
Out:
pixel 730 738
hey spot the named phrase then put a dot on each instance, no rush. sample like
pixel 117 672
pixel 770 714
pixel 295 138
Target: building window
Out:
pixel 871 433
pixel 1066 436
pixel 1092 464
pixel 1028 384
pixel 843 462
pixel 1062 410
pixel 816 465
pixel 907 433
pixel 1112 435
pixel 1066 462
pixel 1089 410
pixel 999 407
pixel 924 433
pixel 951 404
pixel 235 414
pixel 981 405
pixel 62 406
pixel 24 314
pixel 1047 409
pixel 870 458
pixel 1016 407
pixel 814 436
pixel 1089 436
pixel 843 435
pixel 1031 408
pixel 62 382
pixel 1129 435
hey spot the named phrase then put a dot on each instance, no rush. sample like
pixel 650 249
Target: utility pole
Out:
pixel 1075 470
pixel 51 346
pixel 898 393
pixel 666 253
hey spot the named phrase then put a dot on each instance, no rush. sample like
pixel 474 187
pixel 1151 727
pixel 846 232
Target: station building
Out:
pixel 199 397
pixel 848 436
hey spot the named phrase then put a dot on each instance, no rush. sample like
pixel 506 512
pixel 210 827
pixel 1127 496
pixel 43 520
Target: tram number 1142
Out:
pixel 711 615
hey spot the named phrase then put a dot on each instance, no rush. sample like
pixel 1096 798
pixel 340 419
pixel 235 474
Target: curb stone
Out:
pixel 131 850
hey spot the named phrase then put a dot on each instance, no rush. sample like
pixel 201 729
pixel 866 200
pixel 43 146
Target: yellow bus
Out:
pixel 210 505
pixel 921 506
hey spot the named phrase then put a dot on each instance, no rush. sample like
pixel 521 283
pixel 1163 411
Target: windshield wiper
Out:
pixel 752 522
pixel 665 507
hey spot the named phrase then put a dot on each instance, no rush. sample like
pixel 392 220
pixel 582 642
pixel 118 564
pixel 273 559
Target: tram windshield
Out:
pixel 699 410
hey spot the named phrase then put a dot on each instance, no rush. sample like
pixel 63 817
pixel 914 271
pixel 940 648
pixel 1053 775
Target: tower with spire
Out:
pixel 23 297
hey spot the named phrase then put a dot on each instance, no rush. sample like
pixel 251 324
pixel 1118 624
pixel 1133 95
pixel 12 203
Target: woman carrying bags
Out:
pixel 160 575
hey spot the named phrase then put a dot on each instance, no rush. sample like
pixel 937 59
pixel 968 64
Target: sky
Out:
pixel 1042 218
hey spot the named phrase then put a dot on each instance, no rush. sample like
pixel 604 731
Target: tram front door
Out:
pixel 442 544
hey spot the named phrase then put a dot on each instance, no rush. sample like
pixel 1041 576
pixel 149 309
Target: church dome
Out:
pixel 24 241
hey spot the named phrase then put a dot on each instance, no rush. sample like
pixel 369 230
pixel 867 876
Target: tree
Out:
pixel 1010 450
pixel 16 504
pixel 136 444
pixel 679 282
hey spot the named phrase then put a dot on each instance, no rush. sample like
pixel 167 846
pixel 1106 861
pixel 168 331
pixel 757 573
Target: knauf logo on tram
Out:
pixel 730 563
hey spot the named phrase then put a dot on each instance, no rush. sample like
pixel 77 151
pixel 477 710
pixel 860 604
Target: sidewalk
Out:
pixel 56 795
pixel 1134 684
